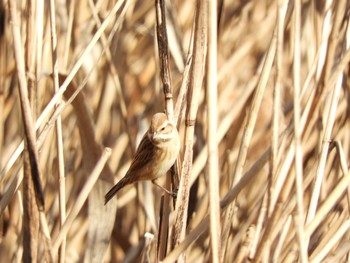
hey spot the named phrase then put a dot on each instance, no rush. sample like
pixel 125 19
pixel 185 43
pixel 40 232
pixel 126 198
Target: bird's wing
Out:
pixel 138 168
pixel 143 156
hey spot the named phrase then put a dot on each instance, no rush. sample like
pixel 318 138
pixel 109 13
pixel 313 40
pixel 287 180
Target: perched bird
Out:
pixel 155 155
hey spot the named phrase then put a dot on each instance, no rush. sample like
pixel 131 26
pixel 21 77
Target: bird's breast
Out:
pixel 168 158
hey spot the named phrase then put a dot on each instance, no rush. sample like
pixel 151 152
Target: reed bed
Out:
pixel 259 91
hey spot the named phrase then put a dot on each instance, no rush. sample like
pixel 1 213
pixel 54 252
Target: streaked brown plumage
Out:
pixel 155 155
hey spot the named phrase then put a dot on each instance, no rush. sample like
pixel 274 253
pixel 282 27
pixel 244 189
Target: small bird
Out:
pixel 155 155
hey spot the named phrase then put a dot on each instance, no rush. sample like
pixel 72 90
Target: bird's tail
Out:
pixel 124 181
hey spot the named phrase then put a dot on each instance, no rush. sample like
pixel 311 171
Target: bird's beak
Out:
pixel 154 135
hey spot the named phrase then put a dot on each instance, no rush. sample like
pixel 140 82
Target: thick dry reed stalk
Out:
pixel 195 84
pixel 213 158
pixel 163 53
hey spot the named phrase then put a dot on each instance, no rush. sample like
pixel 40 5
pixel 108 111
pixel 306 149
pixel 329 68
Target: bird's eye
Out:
pixel 163 129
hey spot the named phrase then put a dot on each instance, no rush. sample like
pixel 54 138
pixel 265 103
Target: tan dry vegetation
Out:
pixel 280 149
